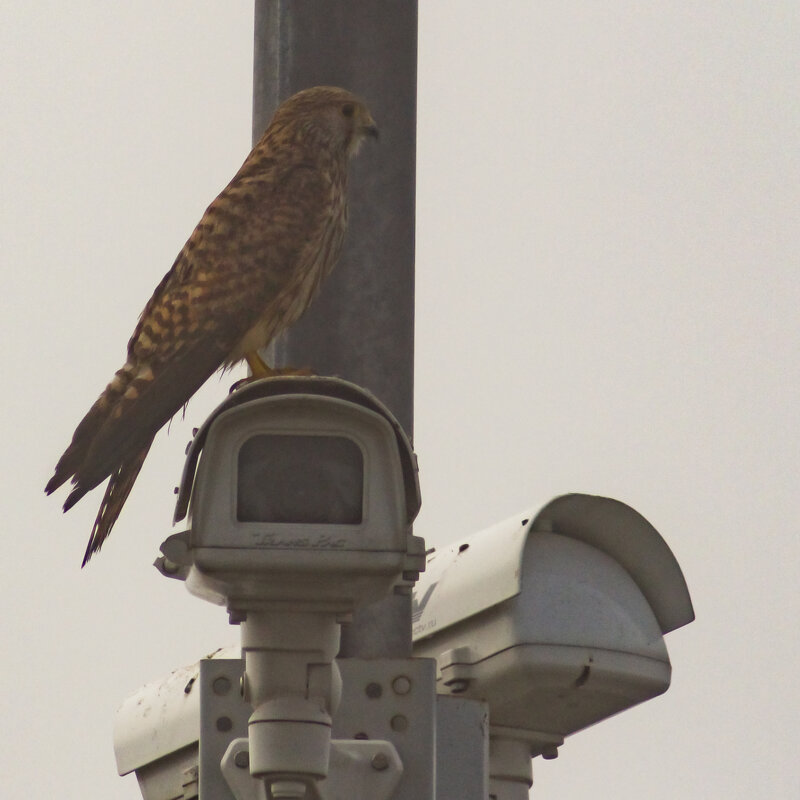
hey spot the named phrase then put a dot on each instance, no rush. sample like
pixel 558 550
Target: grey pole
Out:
pixel 362 326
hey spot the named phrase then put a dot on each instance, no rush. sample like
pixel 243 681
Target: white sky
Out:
pixel 607 302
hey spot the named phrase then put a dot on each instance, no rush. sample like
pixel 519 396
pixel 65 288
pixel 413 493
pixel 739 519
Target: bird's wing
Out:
pixel 175 362
pixel 184 335
pixel 239 257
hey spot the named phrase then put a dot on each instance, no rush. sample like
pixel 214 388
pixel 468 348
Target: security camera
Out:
pixel 554 617
pixel 297 489
pixel 299 495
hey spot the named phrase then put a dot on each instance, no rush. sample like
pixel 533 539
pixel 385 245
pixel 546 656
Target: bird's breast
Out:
pixel 286 306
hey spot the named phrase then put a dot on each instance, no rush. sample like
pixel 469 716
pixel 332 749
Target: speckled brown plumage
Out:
pixel 250 268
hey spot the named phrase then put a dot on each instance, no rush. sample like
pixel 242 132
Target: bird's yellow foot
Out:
pixel 261 369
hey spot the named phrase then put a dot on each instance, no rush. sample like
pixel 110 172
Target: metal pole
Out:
pixel 362 326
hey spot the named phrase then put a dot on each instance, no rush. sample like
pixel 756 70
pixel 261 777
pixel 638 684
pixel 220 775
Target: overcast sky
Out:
pixel 607 302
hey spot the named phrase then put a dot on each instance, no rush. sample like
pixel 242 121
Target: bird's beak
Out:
pixel 369 128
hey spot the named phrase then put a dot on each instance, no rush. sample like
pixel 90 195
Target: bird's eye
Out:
pixel 348 109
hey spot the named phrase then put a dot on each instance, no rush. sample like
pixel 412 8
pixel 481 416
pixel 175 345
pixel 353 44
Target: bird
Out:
pixel 251 267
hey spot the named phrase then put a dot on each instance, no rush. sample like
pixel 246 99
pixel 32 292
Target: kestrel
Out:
pixel 251 267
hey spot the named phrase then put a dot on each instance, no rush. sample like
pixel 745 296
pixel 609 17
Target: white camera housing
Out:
pixel 554 617
pixel 305 492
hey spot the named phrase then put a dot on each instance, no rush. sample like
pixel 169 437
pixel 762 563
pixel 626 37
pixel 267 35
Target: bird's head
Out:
pixel 332 117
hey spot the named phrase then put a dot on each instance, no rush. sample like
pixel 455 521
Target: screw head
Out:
pixel 224 724
pixel 242 759
pixel 169 567
pixel 380 762
pixel 399 723
pixel 401 684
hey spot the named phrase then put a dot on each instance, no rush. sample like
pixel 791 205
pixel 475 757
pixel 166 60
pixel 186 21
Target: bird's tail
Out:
pixel 71 463
pixel 117 491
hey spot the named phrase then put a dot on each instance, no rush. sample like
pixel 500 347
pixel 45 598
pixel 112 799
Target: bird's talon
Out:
pixel 240 383
pixel 279 372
